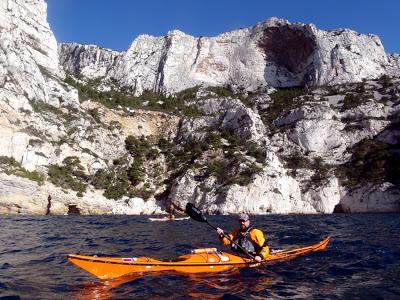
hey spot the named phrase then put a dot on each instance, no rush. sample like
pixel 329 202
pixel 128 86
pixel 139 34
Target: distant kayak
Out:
pixel 168 219
pixel 206 260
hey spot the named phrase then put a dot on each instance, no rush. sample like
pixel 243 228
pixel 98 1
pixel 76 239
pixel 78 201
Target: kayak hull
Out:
pixel 108 267
pixel 204 262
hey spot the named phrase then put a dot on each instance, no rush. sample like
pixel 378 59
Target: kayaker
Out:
pixel 247 237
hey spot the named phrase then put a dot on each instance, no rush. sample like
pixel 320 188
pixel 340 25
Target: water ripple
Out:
pixel 362 261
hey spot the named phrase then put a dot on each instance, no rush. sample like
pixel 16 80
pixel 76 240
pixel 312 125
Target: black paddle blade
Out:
pixel 193 212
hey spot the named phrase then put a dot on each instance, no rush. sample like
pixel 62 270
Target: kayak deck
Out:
pixel 204 261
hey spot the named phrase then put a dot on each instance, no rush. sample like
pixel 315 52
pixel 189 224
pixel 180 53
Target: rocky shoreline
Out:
pixel 277 118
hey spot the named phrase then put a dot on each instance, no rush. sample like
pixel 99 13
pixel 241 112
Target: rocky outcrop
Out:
pixel 22 196
pixel 29 69
pixel 307 148
pixel 224 114
pixel 346 56
pixel 393 68
pixel 371 198
pixel 272 191
pixel 90 61
pixel 30 79
pixel 322 131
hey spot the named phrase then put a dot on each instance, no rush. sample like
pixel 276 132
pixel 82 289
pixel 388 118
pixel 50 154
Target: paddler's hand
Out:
pixel 220 232
pixel 257 258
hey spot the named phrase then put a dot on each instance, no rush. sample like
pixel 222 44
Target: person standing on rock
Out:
pixel 249 238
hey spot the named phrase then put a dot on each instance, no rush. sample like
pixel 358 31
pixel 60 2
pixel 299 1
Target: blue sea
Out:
pixel 362 261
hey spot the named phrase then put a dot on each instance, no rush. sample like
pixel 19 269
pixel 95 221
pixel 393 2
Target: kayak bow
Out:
pixel 207 260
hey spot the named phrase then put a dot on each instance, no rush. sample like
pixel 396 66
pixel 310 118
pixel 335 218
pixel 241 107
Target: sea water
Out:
pixel 362 261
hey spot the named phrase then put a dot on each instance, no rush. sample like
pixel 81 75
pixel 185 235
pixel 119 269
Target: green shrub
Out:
pixel 143 193
pixel 102 179
pixel 120 179
pixel 95 114
pixel 41 106
pixel 117 190
pixel 72 163
pixel 352 100
pixel 254 150
pixel 62 176
pixel 360 88
pixel 70 175
pixel 221 91
pixel 137 147
pixel 321 171
pixel 136 171
pixel 371 161
pixel 11 167
pixel 245 176
pixel 213 139
pixel 217 168
pixel 296 161
pixel 233 138
pixel 229 172
pixel 188 94
pixel 152 154
pixel 283 100
pixel 385 81
pixel 164 144
pixel 122 96
pixel 114 125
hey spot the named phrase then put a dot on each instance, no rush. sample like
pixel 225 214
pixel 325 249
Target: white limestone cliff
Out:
pixel 29 69
pixel 272 191
pixel 273 53
pixel 22 196
pixel 42 121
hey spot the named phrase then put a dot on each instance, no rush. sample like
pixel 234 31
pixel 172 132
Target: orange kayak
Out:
pixel 207 260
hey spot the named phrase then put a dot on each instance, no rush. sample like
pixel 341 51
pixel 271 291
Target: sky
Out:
pixel 115 24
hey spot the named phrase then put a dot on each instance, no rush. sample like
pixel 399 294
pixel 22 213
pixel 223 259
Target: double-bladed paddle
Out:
pixel 193 212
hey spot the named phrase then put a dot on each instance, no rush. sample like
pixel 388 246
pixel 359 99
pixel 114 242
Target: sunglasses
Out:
pixel 242 221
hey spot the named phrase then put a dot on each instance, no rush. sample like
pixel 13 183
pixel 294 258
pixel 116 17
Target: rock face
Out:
pixel 394 65
pixel 225 114
pixel 29 69
pixel 23 196
pixel 42 122
pixel 273 53
pixel 313 142
pixel 89 60
pixel 376 198
pixel 330 146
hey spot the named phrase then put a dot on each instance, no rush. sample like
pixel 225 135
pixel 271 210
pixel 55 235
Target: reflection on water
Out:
pixel 102 289
pixel 174 285
pixel 361 262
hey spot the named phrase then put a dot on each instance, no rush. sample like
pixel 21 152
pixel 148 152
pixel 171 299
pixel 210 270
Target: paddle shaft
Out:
pixel 236 244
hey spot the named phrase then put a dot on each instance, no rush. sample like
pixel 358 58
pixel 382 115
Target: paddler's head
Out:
pixel 244 222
